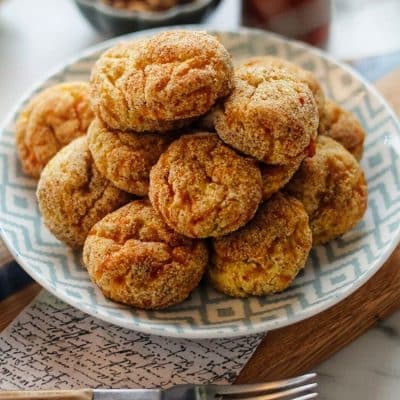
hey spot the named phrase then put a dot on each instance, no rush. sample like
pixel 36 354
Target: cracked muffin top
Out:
pixel 332 187
pixel 125 158
pixel 161 82
pixel 270 115
pixel 203 188
pixel 344 127
pixel 136 259
pixel 266 255
pixel 73 195
pixel 51 120
pixel 307 77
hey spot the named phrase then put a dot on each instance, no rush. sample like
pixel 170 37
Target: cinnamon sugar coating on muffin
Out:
pixel 275 177
pixel 265 256
pixel 73 195
pixel 270 115
pixel 125 158
pixel 203 188
pixel 307 77
pixel 344 127
pixel 160 83
pixel 51 120
pixel 136 259
pixel 332 187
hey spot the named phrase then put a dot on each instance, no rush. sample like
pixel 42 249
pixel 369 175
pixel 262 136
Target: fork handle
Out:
pixel 81 394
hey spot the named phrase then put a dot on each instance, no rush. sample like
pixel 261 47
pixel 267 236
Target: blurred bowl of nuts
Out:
pixel 115 17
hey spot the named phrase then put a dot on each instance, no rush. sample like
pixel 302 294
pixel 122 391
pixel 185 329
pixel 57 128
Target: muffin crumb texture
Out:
pixel 125 158
pixel 136 259
pixel 270 115
pixel 51 120
pixel 203 188
pixel 73 195
pixel 332 187
pixel 160 83
pixel 265 256
pixel 343 126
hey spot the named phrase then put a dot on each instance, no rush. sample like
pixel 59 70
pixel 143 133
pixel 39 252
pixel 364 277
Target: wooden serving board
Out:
pixel 289 351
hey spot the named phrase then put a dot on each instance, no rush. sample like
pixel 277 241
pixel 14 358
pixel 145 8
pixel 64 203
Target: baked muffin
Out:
pixel 344 127
pixel 270 115
pixel 265 256
pixel 275 177
pixel 206 122
pixel 159 83
pixel 73 195
pixel 203 188
pixel 332 187
pixel 305 76
pixel 51 120
pixel 125 158
pixel 136 259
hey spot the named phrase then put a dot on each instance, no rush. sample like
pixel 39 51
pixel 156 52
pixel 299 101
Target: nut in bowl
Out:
pixel 116 17
pixel 247 194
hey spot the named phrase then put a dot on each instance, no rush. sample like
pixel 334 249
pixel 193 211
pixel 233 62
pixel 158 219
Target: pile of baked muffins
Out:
pixel 170 164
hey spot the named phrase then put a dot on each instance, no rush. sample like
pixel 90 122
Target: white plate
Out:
pixel 332 272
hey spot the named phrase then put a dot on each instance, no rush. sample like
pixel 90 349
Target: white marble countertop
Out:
pixel 367 369
pixel 35 38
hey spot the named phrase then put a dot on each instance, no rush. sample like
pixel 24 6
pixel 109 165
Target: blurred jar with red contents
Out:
pixel 306 20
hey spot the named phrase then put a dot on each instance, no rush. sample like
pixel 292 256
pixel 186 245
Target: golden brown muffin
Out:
pixel 51 120
pixel 344 127
pixel 158 83
pixel 73 195
pixel 274 177
pixel 332 187
pixel 307 77
pixel 206 122
pixel 270 115
pixel 125 158
pixel 136 259
pixel 203 188
pixel 264 256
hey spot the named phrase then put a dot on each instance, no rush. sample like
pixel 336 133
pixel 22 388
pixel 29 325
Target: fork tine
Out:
pixel 307 396
pixel 280 394
pixel 262 387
